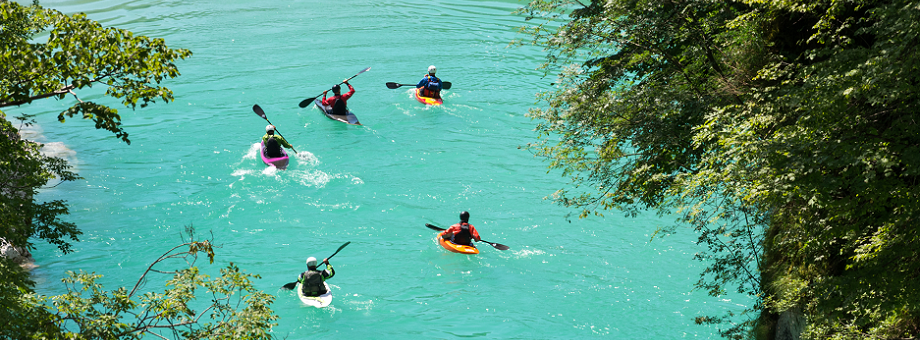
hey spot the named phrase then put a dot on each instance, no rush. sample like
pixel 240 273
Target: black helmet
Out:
pixel 336 88
pixel 465 216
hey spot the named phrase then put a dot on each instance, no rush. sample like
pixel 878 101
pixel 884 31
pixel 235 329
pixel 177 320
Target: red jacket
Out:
pixel 331 100
pixel 456 229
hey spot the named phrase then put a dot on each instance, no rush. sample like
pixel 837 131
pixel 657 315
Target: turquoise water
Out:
pixel 194 161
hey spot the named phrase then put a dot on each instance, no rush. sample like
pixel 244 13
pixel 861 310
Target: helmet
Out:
pixel 269 128
pixel 432 69
pixel 336 88
pixel 311 262
pixel 465 216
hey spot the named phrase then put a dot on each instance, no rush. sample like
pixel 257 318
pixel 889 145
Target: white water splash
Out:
pixel 253 151
pixel 307 158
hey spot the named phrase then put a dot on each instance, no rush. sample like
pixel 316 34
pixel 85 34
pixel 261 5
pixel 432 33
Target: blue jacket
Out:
pixel 424 82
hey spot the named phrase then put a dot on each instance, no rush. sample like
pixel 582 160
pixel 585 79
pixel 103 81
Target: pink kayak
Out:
pixel 278 162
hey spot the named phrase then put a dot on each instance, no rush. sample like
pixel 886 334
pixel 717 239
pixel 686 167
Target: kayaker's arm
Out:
pixel 450 232
pixel 283 142
pixel 475 233
pixel 329 270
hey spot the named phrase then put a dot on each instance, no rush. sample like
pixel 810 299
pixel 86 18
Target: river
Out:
pixel 194 162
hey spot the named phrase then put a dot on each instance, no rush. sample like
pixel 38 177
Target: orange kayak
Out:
pixel 457 248
pixel 427 100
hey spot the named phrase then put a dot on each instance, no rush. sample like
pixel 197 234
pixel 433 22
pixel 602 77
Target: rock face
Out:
pixel 790 325
pixel 19 255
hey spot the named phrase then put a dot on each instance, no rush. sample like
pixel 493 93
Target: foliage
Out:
pixel 785 133
pixel 76 54
pixel 23 171
pixel 235 311
pixel 48 54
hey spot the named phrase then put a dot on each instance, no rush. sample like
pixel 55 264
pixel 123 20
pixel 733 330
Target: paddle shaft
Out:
pixel 260 113
pixel 291 285
pixel 445 85
pixel 338 250
pixel 305 102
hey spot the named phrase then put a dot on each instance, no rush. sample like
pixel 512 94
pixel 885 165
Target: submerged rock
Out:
pixel 19 255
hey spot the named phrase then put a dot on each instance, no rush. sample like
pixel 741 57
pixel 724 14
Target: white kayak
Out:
pixel 316 301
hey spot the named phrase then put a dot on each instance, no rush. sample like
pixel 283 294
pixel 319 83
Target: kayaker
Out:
pixel 338 101
pixel 274 143
pixel 430 85
pixel 462 233
pixel 311 281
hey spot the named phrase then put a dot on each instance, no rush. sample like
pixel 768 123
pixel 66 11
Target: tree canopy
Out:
pixel 786 133
pixel 78 53
pixel 46 53
pixel 234 308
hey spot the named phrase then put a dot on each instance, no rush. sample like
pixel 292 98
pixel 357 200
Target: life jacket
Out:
pixel 338 108
pixel 431 89
pixel 464 237
pixel 272 148
pixel 434 84
pixel 311 283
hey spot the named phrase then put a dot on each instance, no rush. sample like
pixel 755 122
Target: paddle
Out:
pixel 498 246
pixel 305 102
pixel 258 111
pixel 294 284
pixel 444 85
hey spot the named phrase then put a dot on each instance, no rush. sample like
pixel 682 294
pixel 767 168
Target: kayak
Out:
pixel 347 118
pixel 278 162
pixel 427 100
pixel 316 301
pixel 456 248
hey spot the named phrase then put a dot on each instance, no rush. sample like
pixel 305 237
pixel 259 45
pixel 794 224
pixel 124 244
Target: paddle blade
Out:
pixel 434 227
pixel 393 85
pixel 304 103
pixel 445 85
pixel 498 246
pixel 338 250
pixel 362 71
pixel 258 111
pixel 289 285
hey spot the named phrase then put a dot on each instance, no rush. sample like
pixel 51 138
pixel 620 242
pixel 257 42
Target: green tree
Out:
pixel 784 132
pixel 235 309
pixel 23 170
pixel 43 54
pixel 48 54
pixel 78 53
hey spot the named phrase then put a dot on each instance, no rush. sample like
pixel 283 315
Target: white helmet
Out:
pixel 432 69
pixel 311 262
pixel 269 127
